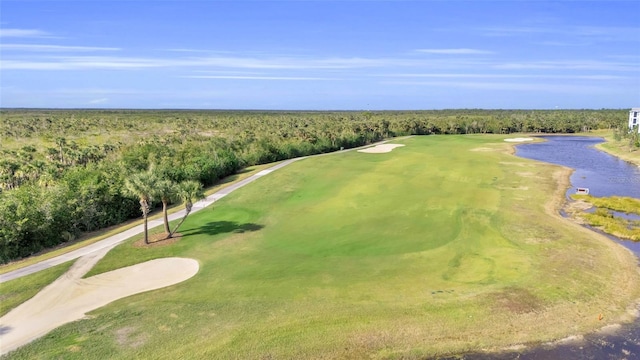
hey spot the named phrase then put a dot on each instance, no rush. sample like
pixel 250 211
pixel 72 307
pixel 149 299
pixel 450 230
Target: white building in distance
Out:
pixel 634 119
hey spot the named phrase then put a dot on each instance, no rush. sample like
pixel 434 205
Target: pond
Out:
pixel 604 175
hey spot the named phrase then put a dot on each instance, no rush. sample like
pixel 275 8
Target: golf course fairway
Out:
pixel 444 245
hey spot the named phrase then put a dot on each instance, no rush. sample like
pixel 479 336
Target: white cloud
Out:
pixel 53 48
pixel 202 51
pixel 99 92
pixel 250 77
pixel 262 68
pixel 506 76
pixel 455 51
pixel 555 88
pixel 513 31
pixel 25 33
pixel 99 101
pixel 114 62
pixel 561 43
pixel 595 33
pixel 570 65
pixel 81 63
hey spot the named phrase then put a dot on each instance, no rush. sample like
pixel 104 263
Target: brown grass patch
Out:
pixel 529 174
pixel 516 163
pixel 156 240
pixel 370 341
pixel 125 337
pixel 515 300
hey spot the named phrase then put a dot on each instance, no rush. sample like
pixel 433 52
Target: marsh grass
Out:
pixel 616 226
pixel 431 249
pixel 603 219
pixel 623 204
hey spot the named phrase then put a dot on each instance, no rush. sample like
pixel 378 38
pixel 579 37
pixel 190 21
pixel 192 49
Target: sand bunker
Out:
pixel 69 297
pixel 518 139
pixel 382 148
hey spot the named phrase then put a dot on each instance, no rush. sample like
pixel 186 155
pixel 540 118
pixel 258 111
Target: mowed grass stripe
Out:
pixel 437 247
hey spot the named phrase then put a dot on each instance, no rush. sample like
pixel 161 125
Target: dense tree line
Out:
pixel 64 172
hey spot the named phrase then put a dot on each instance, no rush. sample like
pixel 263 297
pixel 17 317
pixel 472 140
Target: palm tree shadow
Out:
pixel 221 227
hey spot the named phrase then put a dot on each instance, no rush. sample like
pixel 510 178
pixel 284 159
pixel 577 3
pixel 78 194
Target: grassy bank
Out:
pixel 446 245
pixel 620 149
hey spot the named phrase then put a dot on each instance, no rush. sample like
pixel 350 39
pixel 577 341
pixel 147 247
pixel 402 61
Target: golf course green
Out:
pixel 445 245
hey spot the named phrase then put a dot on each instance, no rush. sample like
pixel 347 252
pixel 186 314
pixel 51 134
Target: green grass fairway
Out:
pixel 445 245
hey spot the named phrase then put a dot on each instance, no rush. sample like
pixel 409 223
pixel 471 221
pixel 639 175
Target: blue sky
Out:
pixel 320 55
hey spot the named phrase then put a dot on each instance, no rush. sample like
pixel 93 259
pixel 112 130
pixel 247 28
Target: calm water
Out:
pixel 604 175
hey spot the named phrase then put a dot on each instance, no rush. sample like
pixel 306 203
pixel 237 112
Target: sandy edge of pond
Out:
pixel 562 177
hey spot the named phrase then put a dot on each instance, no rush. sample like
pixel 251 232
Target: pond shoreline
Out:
pixel 619 338
pixel 590 344
pixel 631 159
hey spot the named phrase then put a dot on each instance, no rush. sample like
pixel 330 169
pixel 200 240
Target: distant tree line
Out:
pixel 65 172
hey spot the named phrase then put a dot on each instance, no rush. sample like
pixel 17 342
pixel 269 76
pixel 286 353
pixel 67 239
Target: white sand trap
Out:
pixel 68 298
pixel 382 148
pixel 518 139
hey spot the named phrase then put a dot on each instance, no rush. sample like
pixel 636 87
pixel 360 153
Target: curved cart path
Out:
pixel 70 296
pixel 114 240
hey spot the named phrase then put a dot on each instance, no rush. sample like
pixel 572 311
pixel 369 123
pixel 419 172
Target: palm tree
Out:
pixel 166 190
pixel 189 191
pixel 143 186
pixel 62 143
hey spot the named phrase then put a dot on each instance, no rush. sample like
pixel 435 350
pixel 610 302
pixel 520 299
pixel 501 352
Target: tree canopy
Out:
pixel 73 171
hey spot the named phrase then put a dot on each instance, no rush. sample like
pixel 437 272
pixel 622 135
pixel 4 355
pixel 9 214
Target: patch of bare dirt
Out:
pixel 561 177
pixel 157 240
pixel 515 300
pixel 575 208
pixel 126 337
pixel 516 163
pixel 362 345
pixel 529 174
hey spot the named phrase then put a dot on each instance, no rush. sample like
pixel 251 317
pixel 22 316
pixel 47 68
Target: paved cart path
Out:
pixel 112 241
pixel 70 297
